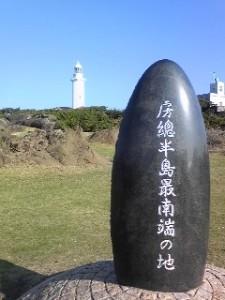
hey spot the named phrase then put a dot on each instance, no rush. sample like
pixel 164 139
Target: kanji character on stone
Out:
pixel 165 147
pixel 166 168
pixel 166 189
pixel 166 227
pixel 166 208
pixel 165 110
pixel 165 129
pixel 167 263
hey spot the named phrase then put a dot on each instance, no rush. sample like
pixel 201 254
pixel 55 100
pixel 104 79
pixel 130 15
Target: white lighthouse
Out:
pixel 78 98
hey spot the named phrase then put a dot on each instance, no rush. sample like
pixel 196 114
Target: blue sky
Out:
pixel 114 40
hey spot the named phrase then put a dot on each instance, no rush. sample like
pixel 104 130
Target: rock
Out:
pixel 105 136
pixel 160 185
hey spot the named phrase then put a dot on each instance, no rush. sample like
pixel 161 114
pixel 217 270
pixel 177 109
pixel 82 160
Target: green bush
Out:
pixel 89 119
pixel 2 115
pixel 213 120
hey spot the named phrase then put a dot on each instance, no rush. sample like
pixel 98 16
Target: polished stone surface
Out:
pixel 160 185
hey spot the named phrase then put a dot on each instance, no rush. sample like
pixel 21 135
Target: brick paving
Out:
pixel 97 281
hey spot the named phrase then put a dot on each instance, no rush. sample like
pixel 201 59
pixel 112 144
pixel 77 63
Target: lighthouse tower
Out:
pixel 78 80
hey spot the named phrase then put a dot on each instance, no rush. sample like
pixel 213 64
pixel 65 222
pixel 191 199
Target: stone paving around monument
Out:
pixel 97 281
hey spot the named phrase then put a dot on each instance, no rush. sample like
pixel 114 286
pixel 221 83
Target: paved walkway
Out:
pixel 97 281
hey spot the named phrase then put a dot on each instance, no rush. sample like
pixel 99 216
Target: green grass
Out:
pixel 105 150
pixel 216 253
pixel 58 217
pixel 53 219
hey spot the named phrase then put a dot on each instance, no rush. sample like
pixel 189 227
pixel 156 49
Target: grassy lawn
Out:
pixel 216 253
pixel 53 219
pixel 105 150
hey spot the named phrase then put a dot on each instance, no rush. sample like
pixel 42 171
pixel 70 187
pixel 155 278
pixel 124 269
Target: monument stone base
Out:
pixel 97 281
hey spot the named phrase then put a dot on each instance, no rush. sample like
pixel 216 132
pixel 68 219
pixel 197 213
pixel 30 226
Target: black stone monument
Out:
pixel 161 185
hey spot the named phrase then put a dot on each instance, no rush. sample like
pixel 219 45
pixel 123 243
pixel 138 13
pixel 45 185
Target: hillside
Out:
pixel 56 138
pixel 21 144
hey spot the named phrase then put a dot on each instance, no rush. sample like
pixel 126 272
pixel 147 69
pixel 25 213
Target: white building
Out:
pixel 78 92
pixel 217 94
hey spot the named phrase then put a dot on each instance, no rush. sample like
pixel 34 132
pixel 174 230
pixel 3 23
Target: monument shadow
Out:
pixel 16 280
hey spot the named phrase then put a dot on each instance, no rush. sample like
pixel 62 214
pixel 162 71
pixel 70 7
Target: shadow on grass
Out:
pixel 15 280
